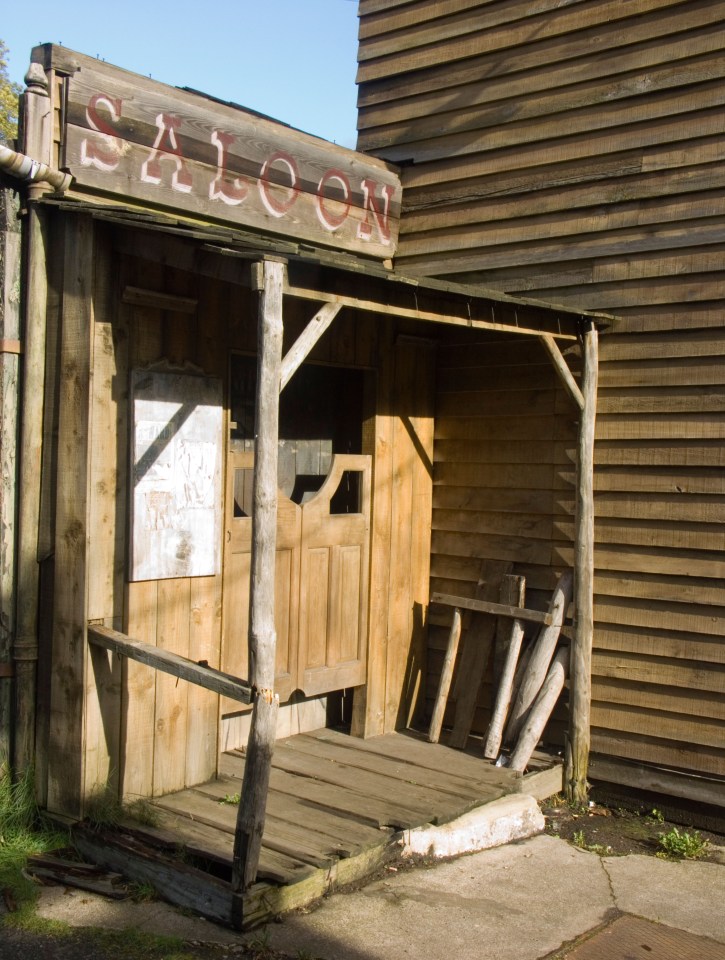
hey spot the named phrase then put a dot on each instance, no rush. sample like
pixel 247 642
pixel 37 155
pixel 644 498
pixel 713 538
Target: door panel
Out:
pixel 237 567
pixel 333 592
pixel 321 579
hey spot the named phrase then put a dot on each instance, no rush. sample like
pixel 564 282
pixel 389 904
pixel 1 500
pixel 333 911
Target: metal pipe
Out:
pixel 32 171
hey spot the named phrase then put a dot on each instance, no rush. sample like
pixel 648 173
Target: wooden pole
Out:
pixel 512 648
pixel 540 711
pixel 540 658
pixel 581 648
pixel 262 634
pixel 436 722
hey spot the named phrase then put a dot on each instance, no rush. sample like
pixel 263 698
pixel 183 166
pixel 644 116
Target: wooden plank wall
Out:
pixel 144 732
pixel 504 480
pixel 572 152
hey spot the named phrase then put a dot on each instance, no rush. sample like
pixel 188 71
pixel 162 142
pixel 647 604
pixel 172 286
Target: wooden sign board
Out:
pixel 176 471
pixel 136 138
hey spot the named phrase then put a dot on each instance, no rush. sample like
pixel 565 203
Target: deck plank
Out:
pixel 415 750
pixel 283 837
pixel 415 804
pixel 437 783
pixel 352 803
pixel 345 837
pixel 211 843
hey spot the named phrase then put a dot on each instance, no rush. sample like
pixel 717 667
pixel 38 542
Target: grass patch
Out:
pixel 104 809
pixel 23 832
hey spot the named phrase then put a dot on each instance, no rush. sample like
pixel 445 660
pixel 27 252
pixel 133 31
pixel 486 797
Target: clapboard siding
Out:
pixel 503 478
pixel 573 153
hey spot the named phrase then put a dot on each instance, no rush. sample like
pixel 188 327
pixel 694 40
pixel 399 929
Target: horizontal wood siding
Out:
pixel 504 479
pixel 572 152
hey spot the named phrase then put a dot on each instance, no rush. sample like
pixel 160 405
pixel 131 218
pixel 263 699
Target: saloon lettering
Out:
pixel 277 184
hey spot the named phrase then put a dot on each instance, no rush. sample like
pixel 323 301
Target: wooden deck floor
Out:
pixel 335 809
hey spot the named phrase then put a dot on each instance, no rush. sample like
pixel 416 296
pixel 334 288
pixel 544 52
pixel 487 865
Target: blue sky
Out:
pixel 294 60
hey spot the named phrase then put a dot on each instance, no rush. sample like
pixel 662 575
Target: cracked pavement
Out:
pixel 522 901
pixel 530 900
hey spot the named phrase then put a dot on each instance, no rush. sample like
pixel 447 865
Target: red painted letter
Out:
pixel 365 231
pixel 166 147
pixel 277 207
pixel 221 188
pixel 104 154
pixel 331 221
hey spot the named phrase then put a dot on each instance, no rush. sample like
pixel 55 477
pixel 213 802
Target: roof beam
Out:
pixel 373 306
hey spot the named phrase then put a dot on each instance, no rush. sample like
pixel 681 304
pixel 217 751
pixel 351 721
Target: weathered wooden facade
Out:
pixel 573 152
pixel 178 249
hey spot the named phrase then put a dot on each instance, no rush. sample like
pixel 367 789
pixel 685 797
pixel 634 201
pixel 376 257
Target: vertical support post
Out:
pixel 581 648
pixel 67 744
pixel 38 135
pixel 262 635
pixel 10 258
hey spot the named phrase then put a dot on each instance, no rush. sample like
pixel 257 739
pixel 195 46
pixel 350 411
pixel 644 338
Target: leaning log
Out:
pixel 514 635
pixel 540 658
pixel 449 663
pixel 540 711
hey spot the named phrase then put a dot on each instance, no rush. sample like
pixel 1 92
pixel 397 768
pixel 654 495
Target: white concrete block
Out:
pixel 501 821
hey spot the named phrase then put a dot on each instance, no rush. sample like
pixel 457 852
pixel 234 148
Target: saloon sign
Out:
pixel 126 135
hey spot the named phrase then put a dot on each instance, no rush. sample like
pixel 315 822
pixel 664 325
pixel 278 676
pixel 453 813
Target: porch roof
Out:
pixel 385 289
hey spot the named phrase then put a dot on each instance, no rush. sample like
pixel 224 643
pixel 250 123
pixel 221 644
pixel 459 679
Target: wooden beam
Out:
pixel 137 297
pixel 373 306
pixel 562 369
pixel 497 609
pixel 262 634
pixel 306 341
pixel 200 674
pixel 581 648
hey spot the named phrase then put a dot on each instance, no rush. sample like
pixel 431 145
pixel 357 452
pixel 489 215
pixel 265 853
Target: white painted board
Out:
pixel 176 476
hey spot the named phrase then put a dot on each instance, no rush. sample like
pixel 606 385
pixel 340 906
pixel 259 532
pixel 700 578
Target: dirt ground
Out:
pixel 613 830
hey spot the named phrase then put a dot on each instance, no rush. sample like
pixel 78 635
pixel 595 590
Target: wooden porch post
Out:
pixel 262 635
pixel 581 648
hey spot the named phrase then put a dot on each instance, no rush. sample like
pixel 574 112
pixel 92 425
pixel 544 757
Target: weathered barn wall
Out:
pixel 573 152
pixel 504 477
pixel 123 306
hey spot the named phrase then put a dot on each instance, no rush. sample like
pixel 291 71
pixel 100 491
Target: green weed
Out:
pixel 23 832
pixel 682 845
pixel 231 798
pixel 579 840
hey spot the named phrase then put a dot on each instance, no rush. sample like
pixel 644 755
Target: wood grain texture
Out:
pixel 66 757
pixel 507 190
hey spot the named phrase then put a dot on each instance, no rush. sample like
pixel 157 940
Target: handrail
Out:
pixel 498 609
pixel 199 673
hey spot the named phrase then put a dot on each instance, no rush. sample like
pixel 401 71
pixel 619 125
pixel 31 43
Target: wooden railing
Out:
pixel 199 673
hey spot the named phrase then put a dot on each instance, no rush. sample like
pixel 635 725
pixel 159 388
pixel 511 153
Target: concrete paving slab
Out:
pixel 683 894
pixel 79 908
pixel 523 901
pixel 517 902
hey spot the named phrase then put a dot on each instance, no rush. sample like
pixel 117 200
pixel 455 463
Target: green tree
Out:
pixel 9 93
